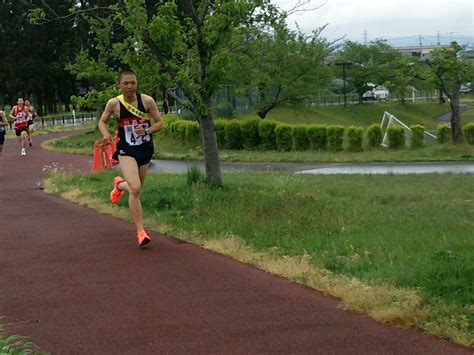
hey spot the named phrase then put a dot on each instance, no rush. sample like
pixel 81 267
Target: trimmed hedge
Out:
pixel 443 132
pixel 232 134
pixel 355 137
pixel 468 132
pixel 317 136
pixel 374 136
pixel 219 127
pixel 396 137
pixel 417 137
pixel 193 132
pixel 270 135
pixel 284 137
pixel 300 137
pixel 266 131
pixel 180 129
pixel 335 135
pixel 249 131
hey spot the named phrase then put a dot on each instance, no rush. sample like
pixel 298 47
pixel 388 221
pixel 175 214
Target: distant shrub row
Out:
pixel 252 134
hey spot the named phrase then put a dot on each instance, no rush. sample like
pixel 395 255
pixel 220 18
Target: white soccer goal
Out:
pixel 388 119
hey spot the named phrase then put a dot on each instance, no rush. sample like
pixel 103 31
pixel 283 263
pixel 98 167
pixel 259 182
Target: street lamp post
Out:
pixel 344 65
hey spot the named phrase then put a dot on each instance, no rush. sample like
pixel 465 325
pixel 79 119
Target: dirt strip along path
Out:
pixel 74 282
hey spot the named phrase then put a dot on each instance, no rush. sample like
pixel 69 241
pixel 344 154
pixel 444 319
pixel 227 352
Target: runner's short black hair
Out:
pixel 125 72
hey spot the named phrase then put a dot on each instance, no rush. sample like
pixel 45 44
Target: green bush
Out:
pixel 355 136
pixel 223 109
pixel 374 136
pixel 396 137
pixel 233 135
pixel 335 135
pixel 249 131
pixel 468 132
pixel 418 136
pixel 180 129
pixel 168 123
pixel 443 132
pixel 317 135
pixel 266 132
pixel 193 132
pixel 219 126
pixel 284 138
pixel 300 137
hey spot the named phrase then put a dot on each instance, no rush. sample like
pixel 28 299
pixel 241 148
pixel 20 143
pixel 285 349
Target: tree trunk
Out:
pixel 211 152
pixel 456 128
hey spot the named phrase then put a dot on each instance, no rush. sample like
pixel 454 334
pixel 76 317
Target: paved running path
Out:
pixel 74 282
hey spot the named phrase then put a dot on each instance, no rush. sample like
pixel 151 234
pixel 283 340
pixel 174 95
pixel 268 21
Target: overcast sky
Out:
pixel 399 21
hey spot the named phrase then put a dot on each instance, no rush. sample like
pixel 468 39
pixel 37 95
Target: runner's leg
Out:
pixel 134 176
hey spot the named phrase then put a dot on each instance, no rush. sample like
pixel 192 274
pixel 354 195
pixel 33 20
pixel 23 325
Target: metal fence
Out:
pixel 64 120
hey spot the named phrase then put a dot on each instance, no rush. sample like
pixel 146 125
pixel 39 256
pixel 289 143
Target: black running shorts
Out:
pixel 2 137
pixel 19 130
pixel 142 153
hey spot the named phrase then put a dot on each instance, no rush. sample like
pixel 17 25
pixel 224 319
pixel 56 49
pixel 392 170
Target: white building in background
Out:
pixel 423 52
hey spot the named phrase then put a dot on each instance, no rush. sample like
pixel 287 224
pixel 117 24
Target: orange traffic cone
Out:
pixel 101 159
pixel 96 160
pixel 106 156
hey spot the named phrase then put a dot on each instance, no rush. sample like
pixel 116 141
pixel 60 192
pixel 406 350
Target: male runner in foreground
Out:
pixel 138 118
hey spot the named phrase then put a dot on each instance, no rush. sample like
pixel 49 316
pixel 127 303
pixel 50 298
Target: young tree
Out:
pixel 370 64
pixel 181 44
pixel 405 73
pixel 279 66
pixel 450 72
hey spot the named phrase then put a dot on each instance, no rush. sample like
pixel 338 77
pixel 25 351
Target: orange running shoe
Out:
pixel 116 194
pixel 143 238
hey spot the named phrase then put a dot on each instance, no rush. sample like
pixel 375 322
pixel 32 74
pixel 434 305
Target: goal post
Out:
pixel 388 119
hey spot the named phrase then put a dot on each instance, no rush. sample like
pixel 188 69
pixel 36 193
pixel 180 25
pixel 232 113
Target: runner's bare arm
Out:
pixel 3 121
pixel 150 104
pixel 103 122
pixel 11 115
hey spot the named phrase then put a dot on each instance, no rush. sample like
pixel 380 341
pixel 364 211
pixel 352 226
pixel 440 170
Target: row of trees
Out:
pixel 196 46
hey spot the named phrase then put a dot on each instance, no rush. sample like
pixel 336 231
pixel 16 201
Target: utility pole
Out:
pixel 365 37
pixel 439 42
pixel 421 45
pixel 344 65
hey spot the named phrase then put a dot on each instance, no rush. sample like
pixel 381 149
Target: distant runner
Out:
pixel 138 118
pixel 31 120
pixel 19 115
pixel 3 126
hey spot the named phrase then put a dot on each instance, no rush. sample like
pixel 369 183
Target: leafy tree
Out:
pixel 33 58
pixel 181 44
pixel 275 65
pixel 370 64
pixel 450 72
pixel 406 72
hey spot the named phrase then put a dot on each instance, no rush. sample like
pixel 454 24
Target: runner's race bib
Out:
pixel 21 117
pixel 132 138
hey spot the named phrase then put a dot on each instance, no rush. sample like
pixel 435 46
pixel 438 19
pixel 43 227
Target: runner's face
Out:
pixel 20 102
pixel 128 84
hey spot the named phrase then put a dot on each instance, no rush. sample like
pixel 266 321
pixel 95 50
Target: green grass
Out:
pixel 409 231
pixel 167 147
pixel 424 113
pixel 16 345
